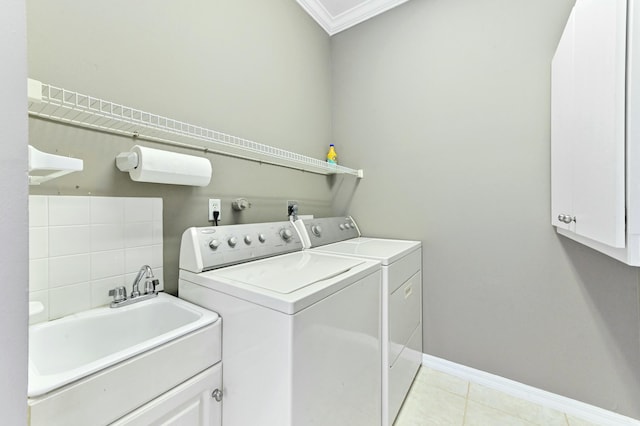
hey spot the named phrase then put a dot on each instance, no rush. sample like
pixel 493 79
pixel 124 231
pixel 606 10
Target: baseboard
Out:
pixel 570 406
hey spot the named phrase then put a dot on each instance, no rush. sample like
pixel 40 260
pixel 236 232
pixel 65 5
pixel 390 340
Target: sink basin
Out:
pixel 68 349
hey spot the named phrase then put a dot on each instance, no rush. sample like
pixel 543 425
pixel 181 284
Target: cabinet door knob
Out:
pixel 565 218
pixel 217 395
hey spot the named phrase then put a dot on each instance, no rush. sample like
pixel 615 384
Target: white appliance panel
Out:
pixel 286 274
pixel 401 266
pixel 387 251
pixel 404 315
pixel 288 303
pixel 270 359
pixel 338 349
pixel 302 331
pixel 402 372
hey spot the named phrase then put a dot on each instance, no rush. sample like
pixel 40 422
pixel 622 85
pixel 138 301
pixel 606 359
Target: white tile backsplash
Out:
pixel 65 210
pixel 157 209
pixel 38 274
pixel 81 247
pixel 157 232
pixel 157 260
pixel 106 210
pixel 135 257
pixel 138 234
pixel 69 299
pixel 38 242
pixel 68 240
pixel 107 237
pixel 66 270
pixel 38 210
pixel 138 210
pixel 105 264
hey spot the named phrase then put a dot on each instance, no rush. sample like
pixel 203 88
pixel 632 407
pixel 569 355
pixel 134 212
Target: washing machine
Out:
pixel 401 265
pixel 301 334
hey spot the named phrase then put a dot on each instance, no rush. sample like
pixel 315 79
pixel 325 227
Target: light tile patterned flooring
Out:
pixel 438 398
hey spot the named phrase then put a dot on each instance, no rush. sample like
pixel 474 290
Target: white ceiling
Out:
pixel 338 15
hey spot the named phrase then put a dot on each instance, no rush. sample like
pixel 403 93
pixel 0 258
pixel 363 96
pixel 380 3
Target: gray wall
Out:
pixel 254 69
pixel 445 104
pixel 13 215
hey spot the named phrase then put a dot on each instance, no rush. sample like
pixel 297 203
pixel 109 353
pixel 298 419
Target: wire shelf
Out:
pixel 74 108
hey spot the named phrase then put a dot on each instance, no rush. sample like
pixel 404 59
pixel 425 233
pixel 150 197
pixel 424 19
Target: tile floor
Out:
pixel 437 398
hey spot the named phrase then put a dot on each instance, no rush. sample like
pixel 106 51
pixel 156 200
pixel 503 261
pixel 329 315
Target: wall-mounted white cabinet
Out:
pixel 595 121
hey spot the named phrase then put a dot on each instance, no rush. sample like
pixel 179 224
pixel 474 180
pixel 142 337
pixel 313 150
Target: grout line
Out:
pixel 466 404
pixel 566 419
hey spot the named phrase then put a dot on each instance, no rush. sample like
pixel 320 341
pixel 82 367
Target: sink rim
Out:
pixel 40 384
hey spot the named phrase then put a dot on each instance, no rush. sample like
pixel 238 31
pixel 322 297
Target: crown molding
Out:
pixel 334 24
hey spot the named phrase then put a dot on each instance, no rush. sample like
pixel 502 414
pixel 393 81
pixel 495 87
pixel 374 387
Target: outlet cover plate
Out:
pixel 214 204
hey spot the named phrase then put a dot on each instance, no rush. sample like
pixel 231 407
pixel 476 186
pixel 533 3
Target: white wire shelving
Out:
pixel 66 106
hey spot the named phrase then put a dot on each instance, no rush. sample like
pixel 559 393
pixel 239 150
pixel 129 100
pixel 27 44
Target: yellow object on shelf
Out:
pixel 332 156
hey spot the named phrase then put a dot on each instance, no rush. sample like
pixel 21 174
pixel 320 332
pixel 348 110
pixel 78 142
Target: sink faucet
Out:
pixel 120 293
pixel 146 269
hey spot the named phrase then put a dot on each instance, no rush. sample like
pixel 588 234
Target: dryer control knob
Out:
pixel 317 230
pixel 247 239
pixel 262 238
pixel 232 241
pixel 341 227
pixel 286 234
pixel 214 244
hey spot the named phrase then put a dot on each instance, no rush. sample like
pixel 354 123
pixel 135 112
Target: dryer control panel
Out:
pixel 326 230
pixel 212 247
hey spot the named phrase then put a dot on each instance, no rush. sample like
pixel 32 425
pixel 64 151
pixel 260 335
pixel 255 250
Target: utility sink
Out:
pixel 97 366
pixel 74 347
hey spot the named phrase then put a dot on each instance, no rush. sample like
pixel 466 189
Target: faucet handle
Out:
pixel 119 294
pixel 150 286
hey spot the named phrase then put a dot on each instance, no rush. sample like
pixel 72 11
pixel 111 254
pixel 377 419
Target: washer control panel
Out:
pixel 326 230
pixel 212 247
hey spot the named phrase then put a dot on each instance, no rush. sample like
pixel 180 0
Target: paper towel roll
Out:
pixel 158 166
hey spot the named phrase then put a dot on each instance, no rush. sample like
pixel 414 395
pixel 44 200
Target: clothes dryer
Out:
pixel 300 330
pixel 401 265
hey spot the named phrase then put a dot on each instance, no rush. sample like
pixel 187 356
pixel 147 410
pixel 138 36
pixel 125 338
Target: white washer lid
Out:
pixel 387 251
pixel 288 273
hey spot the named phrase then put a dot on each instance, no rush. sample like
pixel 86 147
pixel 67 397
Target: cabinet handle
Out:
pixel 565 218
pixel 217 395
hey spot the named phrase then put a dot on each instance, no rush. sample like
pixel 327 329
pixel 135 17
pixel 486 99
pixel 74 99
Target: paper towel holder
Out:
pixel 151 165
pixel 127 161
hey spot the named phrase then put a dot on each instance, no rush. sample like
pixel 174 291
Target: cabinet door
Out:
pixel 562 117
pixel 190 404
pixel 588 122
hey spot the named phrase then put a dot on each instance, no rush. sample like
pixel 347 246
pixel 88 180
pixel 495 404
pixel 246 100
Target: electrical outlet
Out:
pixel 214 205
pixel 289 204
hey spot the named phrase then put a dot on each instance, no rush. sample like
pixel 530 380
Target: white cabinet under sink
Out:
pixel 595 128
pixel 171 384
pixel 195 403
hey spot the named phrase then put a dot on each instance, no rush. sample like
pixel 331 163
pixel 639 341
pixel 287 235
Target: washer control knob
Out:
pixel 286 234
pixel 232 241
pixel 214 244
pixel 317 230
pixel 247 239
pixel 262 238
pixel 341 227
